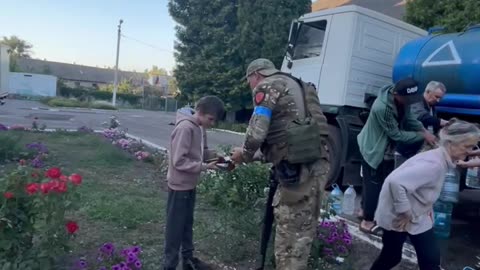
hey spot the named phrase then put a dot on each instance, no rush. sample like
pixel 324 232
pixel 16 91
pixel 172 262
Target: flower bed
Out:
pixel 33 228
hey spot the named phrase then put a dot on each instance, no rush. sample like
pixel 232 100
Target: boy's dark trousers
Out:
pixel 179 228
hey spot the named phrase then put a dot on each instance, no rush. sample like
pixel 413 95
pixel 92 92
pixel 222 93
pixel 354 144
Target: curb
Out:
pixel 146 142
pixel 408 253
pixel 228 131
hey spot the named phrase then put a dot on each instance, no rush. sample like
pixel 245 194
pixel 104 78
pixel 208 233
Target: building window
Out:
pixel 94 85
pixel 310 40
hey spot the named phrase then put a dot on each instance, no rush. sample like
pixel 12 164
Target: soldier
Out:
pixel 279 128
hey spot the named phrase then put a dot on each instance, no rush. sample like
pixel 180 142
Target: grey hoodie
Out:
pixel 187 144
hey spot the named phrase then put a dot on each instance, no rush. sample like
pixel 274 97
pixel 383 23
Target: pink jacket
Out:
pixel 187 144
pixel 414 186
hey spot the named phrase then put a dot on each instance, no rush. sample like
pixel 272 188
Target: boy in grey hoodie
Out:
pixel 188 151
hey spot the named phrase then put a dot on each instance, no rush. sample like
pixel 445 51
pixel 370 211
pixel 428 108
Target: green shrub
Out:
pixel 71 102
pixel 10 148
pixel 240 189
pixel 85 94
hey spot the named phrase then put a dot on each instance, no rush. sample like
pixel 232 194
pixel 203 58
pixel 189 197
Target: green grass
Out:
pixel 75 103
pixel 237 127
pixel 124 200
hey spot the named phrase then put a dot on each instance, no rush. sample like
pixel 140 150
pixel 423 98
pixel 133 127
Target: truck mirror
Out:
pixel 294 33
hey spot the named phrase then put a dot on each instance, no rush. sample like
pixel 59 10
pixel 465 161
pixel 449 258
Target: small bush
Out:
pixel 10 148
pixel 71 102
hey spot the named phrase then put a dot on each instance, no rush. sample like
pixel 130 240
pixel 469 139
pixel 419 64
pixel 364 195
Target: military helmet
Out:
pixel 262 66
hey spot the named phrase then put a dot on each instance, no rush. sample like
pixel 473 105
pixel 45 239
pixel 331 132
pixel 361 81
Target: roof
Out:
pixel 367 12
pixel 78 72
pixel 392 8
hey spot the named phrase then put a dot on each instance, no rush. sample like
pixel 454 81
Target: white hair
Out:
pixel 458 131
pixel 434 85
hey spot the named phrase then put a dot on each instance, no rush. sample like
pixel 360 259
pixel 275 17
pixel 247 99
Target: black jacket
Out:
pixel 421 110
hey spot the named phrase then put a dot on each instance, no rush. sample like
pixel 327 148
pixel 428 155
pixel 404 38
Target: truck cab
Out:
pixel 348 53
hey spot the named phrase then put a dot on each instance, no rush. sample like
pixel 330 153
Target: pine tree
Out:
pixel 218 38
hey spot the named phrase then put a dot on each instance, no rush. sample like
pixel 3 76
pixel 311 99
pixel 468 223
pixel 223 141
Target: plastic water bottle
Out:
pixel 472 179
pixel 336 197
pixel 348 205
pixel 442 219
pixel 451 187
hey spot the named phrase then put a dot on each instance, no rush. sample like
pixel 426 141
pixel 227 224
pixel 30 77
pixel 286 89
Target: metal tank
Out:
pixel 453 59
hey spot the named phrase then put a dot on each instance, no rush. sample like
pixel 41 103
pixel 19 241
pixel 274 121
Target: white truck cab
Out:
pixel 4 73
pixel 348 53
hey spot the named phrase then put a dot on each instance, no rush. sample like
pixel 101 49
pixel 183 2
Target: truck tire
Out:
pixel 333 148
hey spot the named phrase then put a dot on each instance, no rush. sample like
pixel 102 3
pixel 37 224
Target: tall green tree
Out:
pixel 217 39
pixel 18 47
pixel 454 15
pixel 264 26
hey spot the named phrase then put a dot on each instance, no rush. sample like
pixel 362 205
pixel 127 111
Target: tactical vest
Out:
pixel 297 125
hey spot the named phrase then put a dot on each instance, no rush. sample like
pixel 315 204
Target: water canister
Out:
pixel 336 197
pixel 451 187
pixel 453 59
pixel 472 179
pixel 348 205
pixel 442 219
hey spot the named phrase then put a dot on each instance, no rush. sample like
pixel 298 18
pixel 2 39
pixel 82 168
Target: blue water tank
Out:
pixel 453 59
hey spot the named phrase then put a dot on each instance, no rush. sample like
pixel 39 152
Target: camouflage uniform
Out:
pixel 277 100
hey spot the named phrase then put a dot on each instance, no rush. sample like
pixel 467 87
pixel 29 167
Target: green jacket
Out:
pixel 382 128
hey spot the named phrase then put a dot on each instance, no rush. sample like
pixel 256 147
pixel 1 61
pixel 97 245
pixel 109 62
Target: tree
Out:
pixel 217 39
pixel 18 47
pixel 155 71
pixel 264 27
pixel 172 86
pixel 454 15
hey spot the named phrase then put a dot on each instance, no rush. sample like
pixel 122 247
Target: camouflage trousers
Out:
pixel 296 215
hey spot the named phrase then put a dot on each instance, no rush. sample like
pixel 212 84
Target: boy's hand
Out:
pixel 212 165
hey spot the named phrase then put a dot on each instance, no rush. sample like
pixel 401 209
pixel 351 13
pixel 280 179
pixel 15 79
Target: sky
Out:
pixel 85 32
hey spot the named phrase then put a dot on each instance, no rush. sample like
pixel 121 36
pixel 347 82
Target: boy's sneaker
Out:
pixel 195 264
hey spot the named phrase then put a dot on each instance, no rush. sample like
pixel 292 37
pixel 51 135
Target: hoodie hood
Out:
pixel 186 114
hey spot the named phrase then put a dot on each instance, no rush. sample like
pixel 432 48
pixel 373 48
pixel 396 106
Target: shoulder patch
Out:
pixel 259 97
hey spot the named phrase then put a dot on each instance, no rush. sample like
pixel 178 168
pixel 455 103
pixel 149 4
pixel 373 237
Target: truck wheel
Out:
pixel 333 148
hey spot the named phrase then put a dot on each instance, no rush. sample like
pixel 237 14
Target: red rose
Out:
pixel 45 187
pixel 61 187
pixel 71 227
pixel 54 173
pixel 8 195
pixel 76 179
pixel 63 178
pixel 31 188
pixel 22 162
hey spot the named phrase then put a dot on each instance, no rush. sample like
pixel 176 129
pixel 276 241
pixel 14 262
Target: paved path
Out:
pixel 149 125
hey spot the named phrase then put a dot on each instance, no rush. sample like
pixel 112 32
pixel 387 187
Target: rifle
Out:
pixel 267 220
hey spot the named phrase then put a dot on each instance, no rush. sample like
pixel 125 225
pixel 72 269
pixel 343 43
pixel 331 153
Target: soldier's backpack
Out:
pixel 305 136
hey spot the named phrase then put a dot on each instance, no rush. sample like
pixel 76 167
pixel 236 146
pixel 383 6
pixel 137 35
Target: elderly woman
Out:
pixel 409 192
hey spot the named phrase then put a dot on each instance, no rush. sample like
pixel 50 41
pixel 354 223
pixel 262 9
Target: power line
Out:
pixel 147 44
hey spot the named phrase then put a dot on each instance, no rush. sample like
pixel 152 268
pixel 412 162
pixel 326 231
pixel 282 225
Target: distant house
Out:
pixel 392 8
pixel 86 76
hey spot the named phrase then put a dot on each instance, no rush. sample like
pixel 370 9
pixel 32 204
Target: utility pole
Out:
pixel 115 80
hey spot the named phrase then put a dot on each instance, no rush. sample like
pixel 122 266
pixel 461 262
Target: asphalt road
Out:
pixel 148 125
